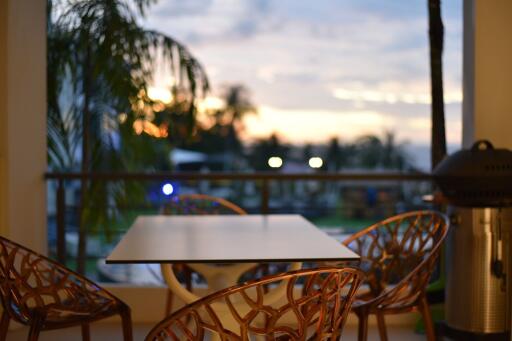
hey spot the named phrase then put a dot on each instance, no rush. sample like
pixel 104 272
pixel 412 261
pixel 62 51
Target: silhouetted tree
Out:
pixel 369 149
pixel 307 152
pixel 393 155
pixel 222 135
pixel 338 156
pixel 372 152
pixel 264 149
pixel 238 104
pixel 100 60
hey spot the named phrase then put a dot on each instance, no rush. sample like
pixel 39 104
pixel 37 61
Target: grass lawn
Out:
pixel 90 267
pixel 347 224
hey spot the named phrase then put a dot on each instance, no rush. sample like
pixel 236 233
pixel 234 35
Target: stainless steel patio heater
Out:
pixel 478 184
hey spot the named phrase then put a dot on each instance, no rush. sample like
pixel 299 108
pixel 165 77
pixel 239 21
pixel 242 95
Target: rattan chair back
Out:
pixel 317 312
pixel 43 294
pixel 398 256
pixel 200 204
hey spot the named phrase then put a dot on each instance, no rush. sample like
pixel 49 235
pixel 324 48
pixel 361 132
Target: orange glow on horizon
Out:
pixel 140 126
pixel 161 94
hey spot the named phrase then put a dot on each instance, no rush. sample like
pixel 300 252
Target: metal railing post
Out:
pixel 264 196
pixel 61 222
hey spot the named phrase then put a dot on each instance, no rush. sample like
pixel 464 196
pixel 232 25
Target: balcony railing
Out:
pixel 347 200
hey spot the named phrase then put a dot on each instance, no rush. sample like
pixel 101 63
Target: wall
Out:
pixel 487 107
pixel 3 110
pixel 23 121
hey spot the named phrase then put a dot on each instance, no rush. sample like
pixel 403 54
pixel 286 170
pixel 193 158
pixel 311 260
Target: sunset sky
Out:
pixel 318 69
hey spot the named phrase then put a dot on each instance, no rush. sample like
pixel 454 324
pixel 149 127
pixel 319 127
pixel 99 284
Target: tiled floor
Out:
pixel 112 332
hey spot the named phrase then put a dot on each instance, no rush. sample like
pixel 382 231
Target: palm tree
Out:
pixel 374 152
pixel 369 149
pixel 307 152
pixel 220 131
pixel 238 103
pixel 100 61
pixel 436 32
pixel 339 155
pixel 264 149
pixel 394 155
pixel 229 119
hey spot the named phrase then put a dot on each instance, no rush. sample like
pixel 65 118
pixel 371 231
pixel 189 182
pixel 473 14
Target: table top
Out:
pixel 226 239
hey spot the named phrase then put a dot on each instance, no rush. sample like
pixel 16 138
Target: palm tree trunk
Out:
pixel 82 229
pixel 436 32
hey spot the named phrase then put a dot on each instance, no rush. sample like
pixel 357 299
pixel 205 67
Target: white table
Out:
pixel 226 239
pixel 243 240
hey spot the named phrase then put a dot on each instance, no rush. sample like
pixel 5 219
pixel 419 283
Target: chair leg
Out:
pixel 35 328
pixel 168 304
pixel 126 318
pixel 4 325
pixel 187 273
pixel 362 334
pixel 382 327
pixel 427 319
pixel 86 332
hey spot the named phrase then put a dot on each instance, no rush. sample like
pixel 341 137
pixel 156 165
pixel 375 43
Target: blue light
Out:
pixel 167 189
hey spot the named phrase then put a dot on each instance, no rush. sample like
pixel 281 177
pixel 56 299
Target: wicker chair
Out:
pixel 41 293
pixel 398 256
pixel 201 204
pixel 318 312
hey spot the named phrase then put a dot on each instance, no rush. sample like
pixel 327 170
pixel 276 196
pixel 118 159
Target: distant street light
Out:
pixel 275 162
pixel 167 189
pixel 316 162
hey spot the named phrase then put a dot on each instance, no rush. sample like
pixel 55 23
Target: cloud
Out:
pixel 209 21
pixel 391 97
pixel 179 8
pixel 329 56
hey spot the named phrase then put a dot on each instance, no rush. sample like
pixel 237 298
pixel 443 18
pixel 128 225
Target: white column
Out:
pixel 23 121
pixel 487 105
